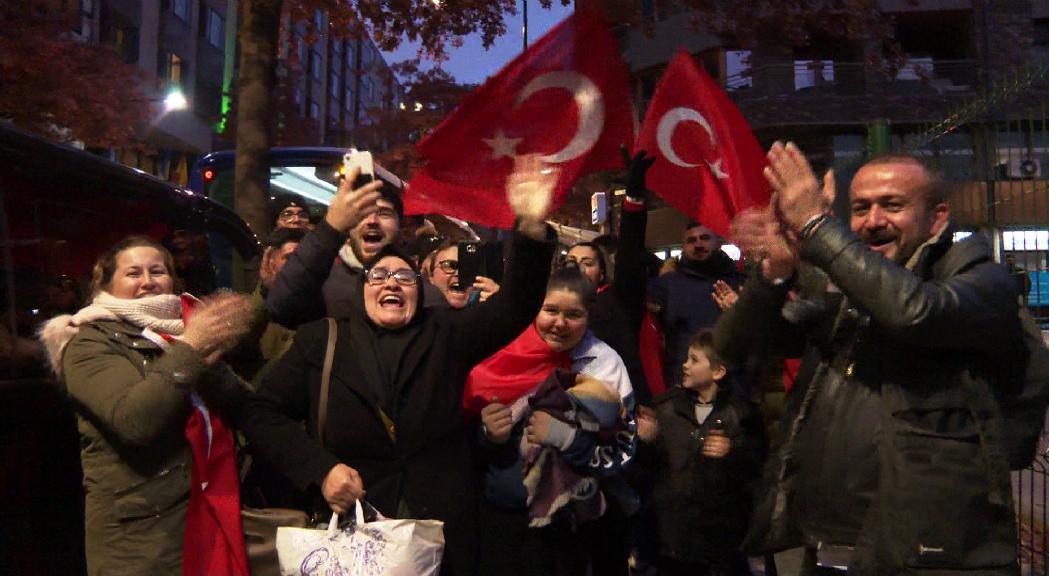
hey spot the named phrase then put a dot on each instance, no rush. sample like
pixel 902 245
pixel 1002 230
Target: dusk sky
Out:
pixel 471 64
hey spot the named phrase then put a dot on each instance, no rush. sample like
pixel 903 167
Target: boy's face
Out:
pixel 697 373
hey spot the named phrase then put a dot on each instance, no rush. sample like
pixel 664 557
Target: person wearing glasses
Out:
pixel 291 211
pixel 395 425
pixel 444 275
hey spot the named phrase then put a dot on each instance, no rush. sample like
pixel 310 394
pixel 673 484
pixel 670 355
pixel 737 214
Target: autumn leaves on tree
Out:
pixel 53 84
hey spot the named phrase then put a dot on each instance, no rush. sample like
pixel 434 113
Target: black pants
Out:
pixel 510 548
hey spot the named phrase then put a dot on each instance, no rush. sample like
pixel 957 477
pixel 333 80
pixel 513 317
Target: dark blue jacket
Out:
pixel 687 305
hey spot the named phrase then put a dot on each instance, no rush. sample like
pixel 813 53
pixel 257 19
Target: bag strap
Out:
pixel 329 359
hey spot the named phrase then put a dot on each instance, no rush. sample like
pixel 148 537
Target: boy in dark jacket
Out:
pixel 704 449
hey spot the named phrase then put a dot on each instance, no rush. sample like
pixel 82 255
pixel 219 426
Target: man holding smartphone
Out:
pixel 360 221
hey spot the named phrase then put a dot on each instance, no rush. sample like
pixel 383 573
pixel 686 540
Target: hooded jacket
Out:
pixel 132 406
pixel 892 437
pixel 410 447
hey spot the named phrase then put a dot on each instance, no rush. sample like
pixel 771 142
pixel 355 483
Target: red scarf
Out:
pixel 213 544
pixel 512 372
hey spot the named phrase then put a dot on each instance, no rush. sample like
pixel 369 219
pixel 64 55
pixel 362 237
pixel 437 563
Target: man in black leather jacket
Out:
pixel 892 462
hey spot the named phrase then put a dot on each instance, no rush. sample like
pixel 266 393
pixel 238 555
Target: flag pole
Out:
pixel 524 26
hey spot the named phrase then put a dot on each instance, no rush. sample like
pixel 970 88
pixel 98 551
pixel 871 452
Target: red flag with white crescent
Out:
pixel 708 163
pixel 567 98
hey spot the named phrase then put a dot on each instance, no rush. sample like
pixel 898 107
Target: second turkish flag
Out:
pixel 566 98
pixel 708 163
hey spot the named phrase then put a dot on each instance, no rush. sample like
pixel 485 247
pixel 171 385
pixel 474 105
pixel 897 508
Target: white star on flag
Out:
pixel 502 145
pixel 715 167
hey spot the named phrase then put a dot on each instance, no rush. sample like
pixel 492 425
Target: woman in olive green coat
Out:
pixel 130 363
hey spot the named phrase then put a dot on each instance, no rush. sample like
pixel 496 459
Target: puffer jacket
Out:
pixel 892 439
pixel 132 407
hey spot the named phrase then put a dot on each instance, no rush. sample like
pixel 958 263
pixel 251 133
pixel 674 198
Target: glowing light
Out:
pixel 175 100
pixel 209 174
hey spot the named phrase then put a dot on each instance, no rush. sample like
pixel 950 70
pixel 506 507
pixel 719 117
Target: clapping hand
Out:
pixel 760 235
pixel 218 324
pixel 798 195
pixel 716 444
pixel 724 295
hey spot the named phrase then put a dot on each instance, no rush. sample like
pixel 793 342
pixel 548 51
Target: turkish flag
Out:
pixel 708 163
pixel 566 98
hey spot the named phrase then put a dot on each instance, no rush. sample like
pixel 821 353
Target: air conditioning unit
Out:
pixel 1023 168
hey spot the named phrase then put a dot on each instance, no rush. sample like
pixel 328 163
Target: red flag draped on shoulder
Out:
pixel 708 163
pixel 566 98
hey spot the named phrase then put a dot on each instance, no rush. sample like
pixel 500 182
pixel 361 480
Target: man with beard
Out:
pixel 893 459
pixel 684 299
pixel 321 278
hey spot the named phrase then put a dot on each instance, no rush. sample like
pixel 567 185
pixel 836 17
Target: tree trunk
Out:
pixel 259 37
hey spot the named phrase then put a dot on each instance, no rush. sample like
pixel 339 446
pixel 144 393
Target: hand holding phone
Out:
pixel 471 259
pixel 364 162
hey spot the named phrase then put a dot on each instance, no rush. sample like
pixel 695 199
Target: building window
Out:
pixel 87 14
pixel 300 51
pixel 169 68
pixel 348 101
pixel 318 20
pixel 123 38
pixel 211 27
pixel 315 65
pixel 180 8
pixel 368 89
pixel 298 96
pixel 315 110
pixel 333 84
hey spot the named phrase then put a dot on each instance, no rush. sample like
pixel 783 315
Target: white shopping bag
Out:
pixel 381 548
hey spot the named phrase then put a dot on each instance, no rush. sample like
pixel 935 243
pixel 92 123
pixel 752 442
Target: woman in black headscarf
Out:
pixel 395 426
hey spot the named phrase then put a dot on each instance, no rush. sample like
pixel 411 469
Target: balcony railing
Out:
pixel 827 77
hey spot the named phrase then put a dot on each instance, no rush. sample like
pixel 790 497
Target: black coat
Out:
pixel 419 459
pixel 616 316
pixel 892 437
pixel 701 505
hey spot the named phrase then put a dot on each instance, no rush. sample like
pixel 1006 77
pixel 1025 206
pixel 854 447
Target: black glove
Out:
pixel 635 172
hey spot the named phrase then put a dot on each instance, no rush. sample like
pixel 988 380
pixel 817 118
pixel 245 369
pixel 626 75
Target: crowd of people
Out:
pixel 525 413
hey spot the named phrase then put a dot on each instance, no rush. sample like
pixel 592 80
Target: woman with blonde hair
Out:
pixel 142 366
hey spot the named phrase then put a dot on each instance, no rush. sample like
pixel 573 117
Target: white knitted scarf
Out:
pixel 162 313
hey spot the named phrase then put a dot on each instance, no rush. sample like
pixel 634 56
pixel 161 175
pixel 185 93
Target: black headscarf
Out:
pixel 388 346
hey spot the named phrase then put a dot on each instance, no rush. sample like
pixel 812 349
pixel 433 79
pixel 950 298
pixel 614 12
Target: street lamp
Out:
pixel 175 100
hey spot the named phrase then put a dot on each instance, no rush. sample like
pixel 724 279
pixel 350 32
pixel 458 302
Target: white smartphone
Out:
pixel 362 160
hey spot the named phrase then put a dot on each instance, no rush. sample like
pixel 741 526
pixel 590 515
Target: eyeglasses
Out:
pixel 404 276
pixel 449 266
pixel 289 215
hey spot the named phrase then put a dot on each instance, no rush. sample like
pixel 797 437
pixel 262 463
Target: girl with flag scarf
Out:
pixel 507 392
pixel 151 395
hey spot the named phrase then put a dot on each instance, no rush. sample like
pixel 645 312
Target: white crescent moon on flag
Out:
pixel 587 99
pixel 665 131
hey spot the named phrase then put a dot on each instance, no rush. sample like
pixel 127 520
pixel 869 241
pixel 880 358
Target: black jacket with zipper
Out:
pixel 893 434
pixel 701 505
